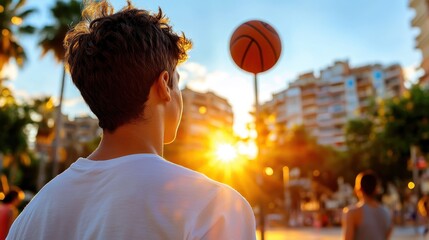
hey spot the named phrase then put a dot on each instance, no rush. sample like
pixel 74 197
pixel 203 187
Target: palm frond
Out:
pixel 9 44
pixel 20 4
pixel 26 29
pixel 27 12
pixel 6 3
pixel 66 14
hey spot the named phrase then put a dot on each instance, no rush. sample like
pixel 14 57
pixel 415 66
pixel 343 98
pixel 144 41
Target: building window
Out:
pixel 378 75
pixel 350 83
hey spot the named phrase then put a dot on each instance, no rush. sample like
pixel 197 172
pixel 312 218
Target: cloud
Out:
pixel 412 74
pixel 72 102
pixel 23 96
pixel 9 71
pixel 76 107
pixel 193 75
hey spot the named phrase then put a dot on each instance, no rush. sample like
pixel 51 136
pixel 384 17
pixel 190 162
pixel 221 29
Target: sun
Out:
pixel 225 153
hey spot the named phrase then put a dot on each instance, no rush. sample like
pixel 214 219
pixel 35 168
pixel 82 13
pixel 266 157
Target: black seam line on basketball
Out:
pixel 260 54
pixel 247 49
pixel 269 29
pixel 263 35
pixel 240 37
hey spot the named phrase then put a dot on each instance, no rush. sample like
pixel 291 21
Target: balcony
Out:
pixel 394 81
pixel 308 102
pixel 282 118
pixel 420 8
pixel 335 89
pixel 310 111
pixel 422 37
pixel 413 3
pixel 331 140
pixel 363 83
pixel 336 79
pixel 311 91
pixel 324 101
pixel 392 74
pixel 310 122
pixel 365 94
pixel 339 121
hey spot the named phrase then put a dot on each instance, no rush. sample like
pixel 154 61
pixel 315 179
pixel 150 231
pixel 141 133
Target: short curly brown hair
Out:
pixel 114 58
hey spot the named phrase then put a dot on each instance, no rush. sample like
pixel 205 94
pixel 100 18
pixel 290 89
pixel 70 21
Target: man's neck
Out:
pixel 129 139
pixel 369 200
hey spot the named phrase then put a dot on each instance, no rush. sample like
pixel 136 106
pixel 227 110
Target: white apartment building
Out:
pixel 421 21
pixel 206 119
pixel 80 130
pixel 325 103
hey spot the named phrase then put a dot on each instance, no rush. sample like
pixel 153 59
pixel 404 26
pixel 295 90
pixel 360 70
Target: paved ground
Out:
pixel 308 233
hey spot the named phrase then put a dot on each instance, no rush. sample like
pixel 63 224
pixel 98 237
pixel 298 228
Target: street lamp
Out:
pixel 286 192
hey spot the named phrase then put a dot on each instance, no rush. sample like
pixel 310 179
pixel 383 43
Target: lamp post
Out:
pixel 255 47
pixel 56 145
pixel 286 192
pixel 259 175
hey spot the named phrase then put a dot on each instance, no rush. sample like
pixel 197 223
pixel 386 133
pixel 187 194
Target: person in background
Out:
pixel 9 210
pixel 125 66
pixel 367 219
pixel 423 209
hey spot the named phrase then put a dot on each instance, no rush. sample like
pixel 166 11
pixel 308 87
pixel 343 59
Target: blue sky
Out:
pixel 314 34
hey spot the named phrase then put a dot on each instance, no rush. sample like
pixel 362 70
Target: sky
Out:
pixel 314 34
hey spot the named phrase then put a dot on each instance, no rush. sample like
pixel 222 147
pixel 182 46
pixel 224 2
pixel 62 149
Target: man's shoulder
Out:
pixel 188 177
pixel 205 187
pixel 352 209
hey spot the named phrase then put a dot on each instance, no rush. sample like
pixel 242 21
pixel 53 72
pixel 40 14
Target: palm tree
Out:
pixel 12 16
pixel 45 131
pixel 66 14
pixel 14 119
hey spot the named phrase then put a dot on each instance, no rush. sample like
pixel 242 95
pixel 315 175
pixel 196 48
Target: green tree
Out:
pixel 66 14
pixel 406 124
pixel 12 15
pixel 407 120
pixel 359 134
pixel 383 139
pixel 45 110
pixel 296 148
pixel 14 120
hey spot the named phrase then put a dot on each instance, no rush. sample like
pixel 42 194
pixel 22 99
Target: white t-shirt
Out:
pixel 139 196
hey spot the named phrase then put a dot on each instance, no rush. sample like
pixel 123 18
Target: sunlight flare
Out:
pixel 226 153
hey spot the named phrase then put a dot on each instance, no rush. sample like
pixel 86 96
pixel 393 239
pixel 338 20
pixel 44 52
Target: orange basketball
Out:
pixel 255 46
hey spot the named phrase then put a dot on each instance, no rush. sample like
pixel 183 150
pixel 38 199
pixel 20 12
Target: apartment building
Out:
pixel 323 104
pixel 206 119
pixel 75 133
pixel 421 21
pixel 306 102
pixel 80 130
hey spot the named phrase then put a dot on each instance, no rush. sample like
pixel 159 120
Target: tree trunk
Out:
pixel 1 162
pixel 58 125
pixel 13 169
pixel 416 180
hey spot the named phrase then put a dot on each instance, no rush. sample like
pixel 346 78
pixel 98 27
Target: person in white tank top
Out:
pixel 367 219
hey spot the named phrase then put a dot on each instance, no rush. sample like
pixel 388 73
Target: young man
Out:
pixel 124 65
pixel 367 219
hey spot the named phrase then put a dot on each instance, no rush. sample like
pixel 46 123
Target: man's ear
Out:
pixel 162 86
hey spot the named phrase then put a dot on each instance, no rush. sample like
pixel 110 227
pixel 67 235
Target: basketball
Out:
pixel 255 46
